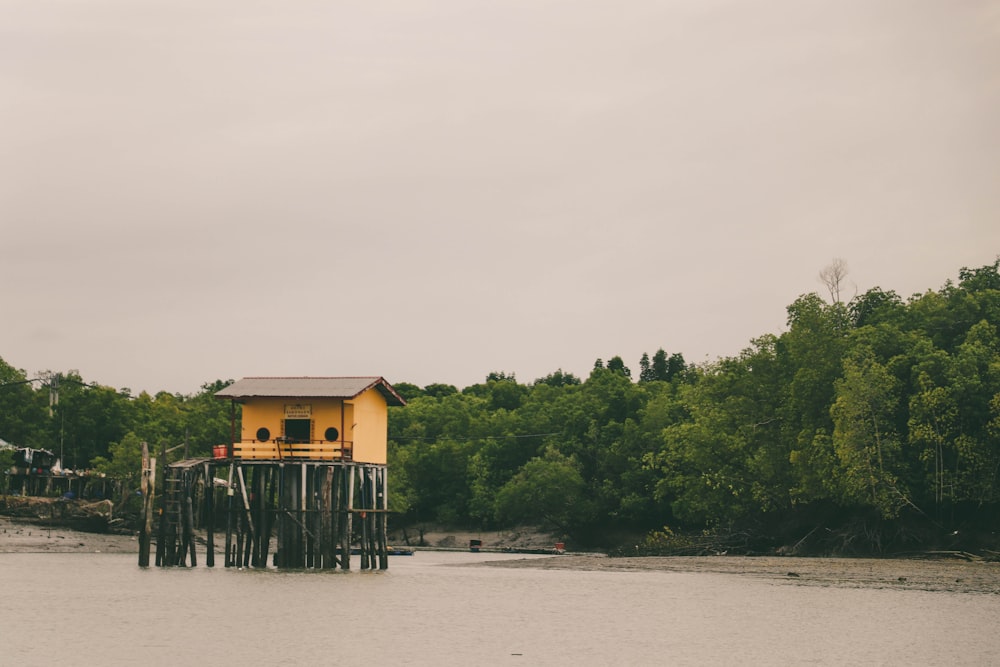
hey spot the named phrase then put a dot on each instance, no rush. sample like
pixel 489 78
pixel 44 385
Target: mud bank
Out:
pixel 25 537
pixel 903 574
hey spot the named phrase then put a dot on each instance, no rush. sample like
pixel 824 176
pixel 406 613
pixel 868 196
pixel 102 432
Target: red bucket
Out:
pixel 219 451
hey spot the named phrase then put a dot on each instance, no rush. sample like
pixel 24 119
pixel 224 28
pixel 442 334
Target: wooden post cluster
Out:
pixel 292 514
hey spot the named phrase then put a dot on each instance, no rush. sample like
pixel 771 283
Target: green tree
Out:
pixel 549 490
pixel 558 379
pixel 645 369
pixel 407 390
pixel 676 366
pixel 867 445
pixel 617 365
pixel 440 390
pixel 875 306
pixel 124 462
pixel 723 457
pixel 660 368
pixel 981 279
pixel 809 356
pixel 21 415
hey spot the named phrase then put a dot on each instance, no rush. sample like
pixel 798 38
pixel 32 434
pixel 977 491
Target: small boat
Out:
pixel 391 551
pixel 400 551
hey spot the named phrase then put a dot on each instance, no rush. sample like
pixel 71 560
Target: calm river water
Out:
pixel 101 609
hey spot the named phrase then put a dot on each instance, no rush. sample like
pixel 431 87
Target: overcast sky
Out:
pixel 430 191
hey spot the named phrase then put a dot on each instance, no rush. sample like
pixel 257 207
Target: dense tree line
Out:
pixel 94 427
pixel 866 425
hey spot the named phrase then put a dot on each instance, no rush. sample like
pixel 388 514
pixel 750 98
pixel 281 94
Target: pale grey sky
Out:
pixel 430 191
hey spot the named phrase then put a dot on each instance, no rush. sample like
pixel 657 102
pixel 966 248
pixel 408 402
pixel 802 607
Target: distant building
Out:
pixel 38 461
pixel 313 418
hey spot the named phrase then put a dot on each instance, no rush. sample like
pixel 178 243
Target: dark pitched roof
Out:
pixel 309 387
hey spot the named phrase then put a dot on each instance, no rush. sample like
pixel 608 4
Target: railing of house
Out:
pixel 281 450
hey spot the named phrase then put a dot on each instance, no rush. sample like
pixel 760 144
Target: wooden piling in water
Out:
pixel 383 518
pixel 148 484
pixel 209 515
pixel 229 560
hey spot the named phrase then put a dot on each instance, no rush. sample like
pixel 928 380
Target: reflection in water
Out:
pixel 102 609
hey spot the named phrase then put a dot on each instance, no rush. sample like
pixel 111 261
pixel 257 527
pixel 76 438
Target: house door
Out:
pixel 298 430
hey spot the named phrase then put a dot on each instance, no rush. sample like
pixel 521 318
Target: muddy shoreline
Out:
pixel 950 575
pixel 20 537
pixel 957 576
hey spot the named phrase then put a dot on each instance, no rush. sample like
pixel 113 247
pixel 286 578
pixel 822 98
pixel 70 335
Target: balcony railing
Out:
pixel 281 450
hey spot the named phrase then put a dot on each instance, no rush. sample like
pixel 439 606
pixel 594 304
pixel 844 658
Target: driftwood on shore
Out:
pixel 676 544
pixel 89 516
pixel 850 539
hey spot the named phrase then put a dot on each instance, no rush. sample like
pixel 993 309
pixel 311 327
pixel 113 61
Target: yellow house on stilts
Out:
pixel 307 470
pixel 313 418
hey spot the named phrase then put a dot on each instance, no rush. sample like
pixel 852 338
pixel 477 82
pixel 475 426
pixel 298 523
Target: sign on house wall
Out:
pixel 298 411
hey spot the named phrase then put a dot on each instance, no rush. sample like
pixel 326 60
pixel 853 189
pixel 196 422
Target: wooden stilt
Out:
pixel 383 518
pixel 348 518
pixel 181 528
pixel 267 513
pixel 369 522
pixel 327 519
pixel 367 537
pixel 240 521
pixel 148 467
pixel 290 553
pixel 229 560
pixel 257 511
pixel 210 514
pixel 279 517
pixel 372 522
pixel 161 539
pixel 303 543
pixel 342 541
pixel 189 524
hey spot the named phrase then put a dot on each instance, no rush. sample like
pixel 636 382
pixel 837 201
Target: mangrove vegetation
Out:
pixel 870 425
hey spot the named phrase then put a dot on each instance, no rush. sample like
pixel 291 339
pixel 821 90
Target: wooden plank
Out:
pixel 246 500
pixel 255 451
pixel 298 450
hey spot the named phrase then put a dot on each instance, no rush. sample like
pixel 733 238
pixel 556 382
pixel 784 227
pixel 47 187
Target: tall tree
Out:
pixel 866 442
pixel 645 370
pixel 661 366
pixel 548 489
pixel 617 365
